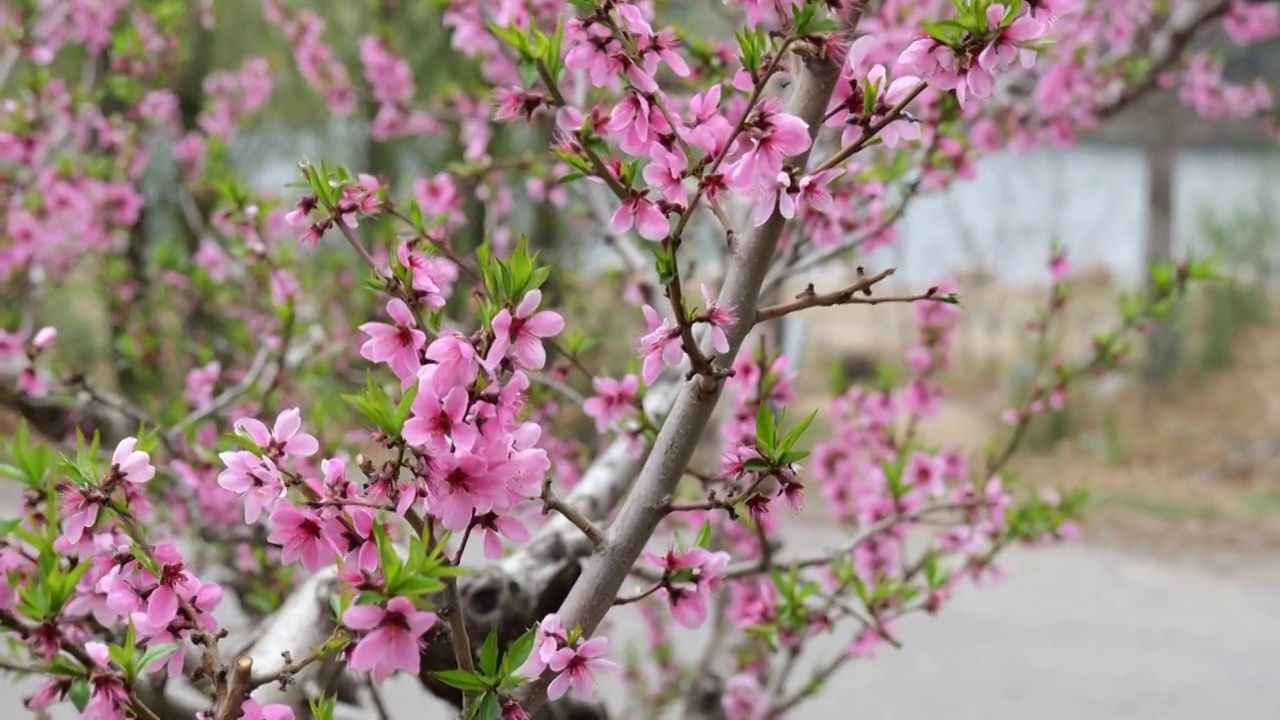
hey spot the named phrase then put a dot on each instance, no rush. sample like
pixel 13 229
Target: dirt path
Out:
pixel 1074 632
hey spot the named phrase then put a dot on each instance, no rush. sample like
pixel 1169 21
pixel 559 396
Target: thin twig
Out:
pixel 228 396
pixel 376 697
pixel 847 296
pixel 572 514
pixel 458 631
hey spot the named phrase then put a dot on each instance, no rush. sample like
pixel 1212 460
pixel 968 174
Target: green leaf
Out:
pixel 489 654
pixel 704 536
pixel 405 407
pixel 79 693
pixel 8 526
pixel 387 554
pixel 792 456
pixel 766 429
pixel 949 32
pixel 518 653
pixel 323 707
pixel 154 653
pixel 489 707
pixel 512 37
pixel 462 680
pixel 794 435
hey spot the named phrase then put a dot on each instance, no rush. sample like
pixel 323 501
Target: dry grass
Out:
pixel 1197 469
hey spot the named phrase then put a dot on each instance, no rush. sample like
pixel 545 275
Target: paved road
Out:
pixel 1074 633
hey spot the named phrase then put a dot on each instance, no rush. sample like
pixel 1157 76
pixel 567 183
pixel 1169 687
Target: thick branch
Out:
pixel 814 79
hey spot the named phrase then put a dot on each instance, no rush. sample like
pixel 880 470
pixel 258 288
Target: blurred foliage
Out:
pixel 1248 243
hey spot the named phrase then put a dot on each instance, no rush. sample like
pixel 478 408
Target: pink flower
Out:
pixel 1059 267
pixel 744 698
pixel 392 643
pixel 688 603
pixel 251 710
pixel 1012 42
pixel 495 527
pixel 1249 22
pixel 108 698
pixel 304 535
pixel 639 211
pixel 44 339
pixel 660 346
pixel 576 666
pixel 131 465
pixel 776 137
pixel 773 196
pixel 524 332
pixel 718 318
pixel 666 172
pixel 708 129
pixel 615 400
pixel 550 638
pixel 461 484
pixel 284 439
pixel 256 478
pixel 456 363
pixel 396 345
pixel 439 424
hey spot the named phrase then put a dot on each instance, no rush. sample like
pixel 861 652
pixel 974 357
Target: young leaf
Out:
pixel 766 429
pixel 461 679
pixel 518 653
pixel 489 654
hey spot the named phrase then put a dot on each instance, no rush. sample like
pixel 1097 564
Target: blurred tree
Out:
pixel 1162 159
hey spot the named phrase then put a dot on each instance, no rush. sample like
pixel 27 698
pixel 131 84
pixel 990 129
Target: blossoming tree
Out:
pixel 214 536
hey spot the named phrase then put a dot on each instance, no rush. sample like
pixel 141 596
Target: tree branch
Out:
pixel 814 79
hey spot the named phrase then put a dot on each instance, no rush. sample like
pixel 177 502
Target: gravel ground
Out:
pixel 1073 632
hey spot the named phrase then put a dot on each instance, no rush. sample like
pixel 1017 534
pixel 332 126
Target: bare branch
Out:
pixel 571 513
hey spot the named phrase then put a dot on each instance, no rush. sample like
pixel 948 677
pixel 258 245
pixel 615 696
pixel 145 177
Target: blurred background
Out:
pixel 1170 605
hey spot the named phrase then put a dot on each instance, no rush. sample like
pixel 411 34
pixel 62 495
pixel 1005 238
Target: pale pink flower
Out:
pixel 665 172
pixel 256 478
pixel 457 364
pixel 577 666
pixel 131 465
pixel 660 346
pixel 718 318
pixel 391 643
pixel 284 439
pixel 524 332
pixel 639 211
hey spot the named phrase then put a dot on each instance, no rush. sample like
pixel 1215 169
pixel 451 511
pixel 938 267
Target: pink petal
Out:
pixel 287 424
pixel 363 617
